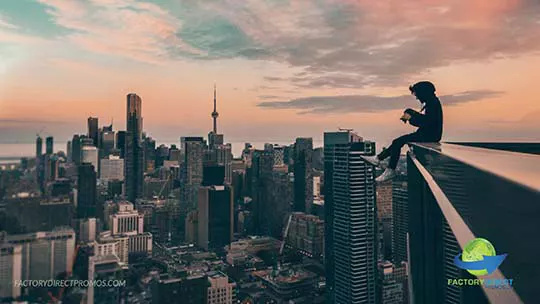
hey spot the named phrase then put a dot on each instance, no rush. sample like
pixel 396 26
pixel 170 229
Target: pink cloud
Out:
pixel 136 30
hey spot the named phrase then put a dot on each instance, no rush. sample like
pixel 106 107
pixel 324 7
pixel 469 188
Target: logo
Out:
pixel 479 257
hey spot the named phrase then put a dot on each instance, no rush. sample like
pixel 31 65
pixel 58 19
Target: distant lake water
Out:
pixel 12 152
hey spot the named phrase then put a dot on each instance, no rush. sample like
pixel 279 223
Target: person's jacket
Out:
pixel 430 124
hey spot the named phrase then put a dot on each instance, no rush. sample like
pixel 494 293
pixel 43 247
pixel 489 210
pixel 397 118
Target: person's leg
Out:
pixel 395 149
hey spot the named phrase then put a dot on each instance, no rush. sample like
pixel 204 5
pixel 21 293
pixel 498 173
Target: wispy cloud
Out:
pixel 140 31
pixel 333 43
pixel 368 103
pixel 348 44
pixel 4 23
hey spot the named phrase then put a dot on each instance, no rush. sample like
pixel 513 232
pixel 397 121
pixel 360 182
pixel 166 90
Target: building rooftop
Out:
pixel 520 168
pixel 476 192
pixel 286 276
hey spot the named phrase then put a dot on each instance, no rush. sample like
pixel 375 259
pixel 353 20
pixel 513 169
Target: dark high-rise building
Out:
pixel 303 175
pixel 86 191
pixel 114 188
pixel 93 131
pixel 121 143
pixel 39 147
pixel 134 158
pixel 213 174
pixel 49 145
pixel 162 154
pixel 76 148
pixel 280 199
pixel 350 219
pixel 400 218
pixel 262 164
pixel 192 168
pixel 180 290
pixel 69 151
pixel 149 154
pixel 318 159
pixel 39 161
pixel 384 219
pixel 459 193
pixel 107 139
pixel 215 217
pixel 175 154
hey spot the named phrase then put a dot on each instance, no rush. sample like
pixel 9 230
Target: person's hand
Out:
pixel 409 111
pixel 405 117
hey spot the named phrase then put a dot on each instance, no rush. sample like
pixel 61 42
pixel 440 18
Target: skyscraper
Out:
pixel 39 147
pixel 149 146
pixel 280 199
pixel 215 217
pixel 89 154
pixel 134 157
pixel 106 142
pixel 384 218
pixel 86 191
pixel 350 219
pixel 222 155
pixel 49 145
pixel 121 143
pixel 303 175
pixel 76 149
pixel 262 164
pixel 192 169
pixel 69 151
pixel 400 218
pixel 93 131
pixel 39 161
pixel 111 168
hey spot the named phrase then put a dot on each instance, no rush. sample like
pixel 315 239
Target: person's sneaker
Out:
pixel 375 161
pixel 388 174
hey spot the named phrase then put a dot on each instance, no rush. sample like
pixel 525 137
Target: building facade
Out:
pixel 215 217
pixel 10 270
pixel 350 219
pixel 303 174
pixel 45 254
pixel 134 158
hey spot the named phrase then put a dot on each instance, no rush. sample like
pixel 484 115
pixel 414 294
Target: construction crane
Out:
pixel 38 134
pixel 285 234
pixel 277 260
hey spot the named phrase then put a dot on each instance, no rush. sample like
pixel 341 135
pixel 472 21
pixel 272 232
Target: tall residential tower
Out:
pixel 134 157
pixel 350 219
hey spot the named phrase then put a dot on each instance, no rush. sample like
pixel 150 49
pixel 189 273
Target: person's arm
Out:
pixel 418 119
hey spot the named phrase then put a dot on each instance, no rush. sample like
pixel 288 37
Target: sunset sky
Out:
pixel 283 68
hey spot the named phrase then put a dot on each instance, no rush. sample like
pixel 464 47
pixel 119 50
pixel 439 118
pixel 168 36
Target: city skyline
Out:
pixel 309 68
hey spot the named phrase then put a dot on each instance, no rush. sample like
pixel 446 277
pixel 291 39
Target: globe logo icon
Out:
pixel 479 257
pixel 475 251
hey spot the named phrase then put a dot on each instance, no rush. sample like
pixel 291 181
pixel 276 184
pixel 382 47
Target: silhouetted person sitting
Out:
pixel 430 127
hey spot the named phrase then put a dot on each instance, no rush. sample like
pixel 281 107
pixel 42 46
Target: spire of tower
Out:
pixel 215 114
